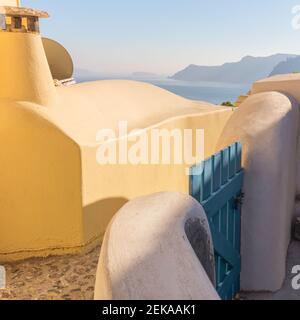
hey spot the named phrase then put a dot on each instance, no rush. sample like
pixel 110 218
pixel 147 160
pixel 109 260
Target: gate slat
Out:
pixel 221 198
pixel 207 179
pixel 217 172
pixel 223 248
pixel 225 166
pixel 225 287
pixel 238 157
pixel 232 159
pixel 216 183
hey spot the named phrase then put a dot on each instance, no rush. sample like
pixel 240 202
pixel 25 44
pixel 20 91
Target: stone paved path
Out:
pixel 73 278
pixel 53 278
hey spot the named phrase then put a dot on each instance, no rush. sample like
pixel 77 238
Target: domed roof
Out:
pixel 59 59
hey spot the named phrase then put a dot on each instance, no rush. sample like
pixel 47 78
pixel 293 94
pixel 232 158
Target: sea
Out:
pixel 212 92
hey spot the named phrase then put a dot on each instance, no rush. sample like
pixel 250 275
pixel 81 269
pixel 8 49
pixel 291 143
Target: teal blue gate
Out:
pixel 217 184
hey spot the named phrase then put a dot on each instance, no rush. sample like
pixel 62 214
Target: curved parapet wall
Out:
pixel 86 108
pixel 267 125
pixel 287 84
pixel 106 187
pixel 64 198
pixel 147 253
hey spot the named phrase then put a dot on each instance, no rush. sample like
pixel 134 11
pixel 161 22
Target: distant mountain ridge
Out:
pixel 289 66
pixel 246 71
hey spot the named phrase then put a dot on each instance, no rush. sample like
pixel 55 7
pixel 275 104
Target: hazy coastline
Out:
pixel 212 92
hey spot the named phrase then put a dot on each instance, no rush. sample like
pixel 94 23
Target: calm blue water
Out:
pixel 211 92
pixel 205 91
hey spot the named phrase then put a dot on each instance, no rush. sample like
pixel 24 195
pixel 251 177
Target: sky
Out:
pixel 165 36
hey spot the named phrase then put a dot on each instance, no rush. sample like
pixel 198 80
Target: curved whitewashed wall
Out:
pixel 288 84
pixel 267 126
pixel 147 254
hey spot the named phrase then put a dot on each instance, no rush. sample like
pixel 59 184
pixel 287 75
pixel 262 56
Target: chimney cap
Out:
pixel 24 12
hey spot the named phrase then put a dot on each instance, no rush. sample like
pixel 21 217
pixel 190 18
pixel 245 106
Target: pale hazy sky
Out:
pixel 163 36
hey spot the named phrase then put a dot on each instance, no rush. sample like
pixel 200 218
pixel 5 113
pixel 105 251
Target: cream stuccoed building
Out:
pixel 56 199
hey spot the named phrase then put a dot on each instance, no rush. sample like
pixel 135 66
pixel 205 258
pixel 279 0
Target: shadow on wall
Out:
pixel 201 243
pixel 107 208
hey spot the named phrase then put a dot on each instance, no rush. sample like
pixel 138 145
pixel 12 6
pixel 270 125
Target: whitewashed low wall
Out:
pixel 288 84
pixel 148 251
pixel 267 126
